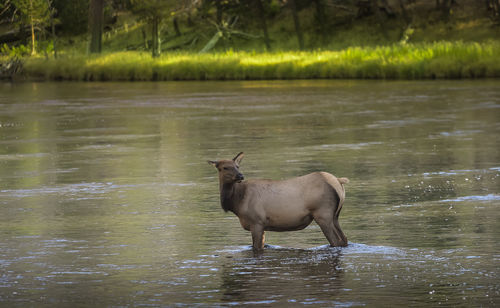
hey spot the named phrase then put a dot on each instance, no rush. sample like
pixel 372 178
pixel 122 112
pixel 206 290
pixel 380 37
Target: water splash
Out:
pixel 490 197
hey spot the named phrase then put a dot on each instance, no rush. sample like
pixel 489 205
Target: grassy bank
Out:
pixel 412 61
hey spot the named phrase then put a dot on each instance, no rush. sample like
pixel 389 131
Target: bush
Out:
pixel 14 51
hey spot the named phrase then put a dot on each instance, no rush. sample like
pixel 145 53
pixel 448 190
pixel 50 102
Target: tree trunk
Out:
pixel 96 22
pixel 296 22
pixel 156 37
pixel 52 27
pixel 218 6
pixel 495 5
pixel 145 38
pixel 262 17
pixel 33 48
pixel 321 17
pixel 387 8
pixel 189 19
pixel 54 37
pixel 404 12
pixel 379 17
pixel 176 27
pixel 445 9
pixel 376 10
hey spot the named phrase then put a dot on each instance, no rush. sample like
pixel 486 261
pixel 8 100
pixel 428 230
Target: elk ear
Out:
pixel 212 162
pixel 238 158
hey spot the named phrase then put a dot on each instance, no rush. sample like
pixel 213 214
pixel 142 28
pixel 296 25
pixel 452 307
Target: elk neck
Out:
pixel 231 195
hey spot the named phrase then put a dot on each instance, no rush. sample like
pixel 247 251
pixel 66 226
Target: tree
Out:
pixel 35 13
pixel 296 22
pixel 321 18
pixel 218 6
pixel 379 17
pixel 72 16
pixel 494 7
pixel 96 24
pixel 53 21
pixel 5 7
pixel 262 16
pixel 153 11
pixel 404 12
pixel 445 7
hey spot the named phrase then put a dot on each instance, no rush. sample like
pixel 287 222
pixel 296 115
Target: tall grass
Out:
pixel 412 61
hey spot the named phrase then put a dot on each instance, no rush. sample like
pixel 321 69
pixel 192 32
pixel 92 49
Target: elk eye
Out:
pixel 226 168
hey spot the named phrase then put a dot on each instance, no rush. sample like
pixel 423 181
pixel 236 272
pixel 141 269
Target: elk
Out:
pixel 287 205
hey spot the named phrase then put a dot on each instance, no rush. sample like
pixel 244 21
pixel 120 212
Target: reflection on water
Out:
pixel 106 198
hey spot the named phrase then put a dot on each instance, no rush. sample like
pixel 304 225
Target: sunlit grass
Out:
pixel 412 61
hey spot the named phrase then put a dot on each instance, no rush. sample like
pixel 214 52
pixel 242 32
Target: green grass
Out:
pixel 412 61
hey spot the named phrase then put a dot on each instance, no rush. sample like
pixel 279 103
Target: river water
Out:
pixel 106 198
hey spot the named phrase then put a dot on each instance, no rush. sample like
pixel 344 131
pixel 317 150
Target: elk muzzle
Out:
pixel 239 177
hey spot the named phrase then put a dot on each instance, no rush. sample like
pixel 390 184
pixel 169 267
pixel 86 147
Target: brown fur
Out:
pixel 288 205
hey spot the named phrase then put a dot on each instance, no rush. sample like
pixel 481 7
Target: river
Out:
pixel 106 197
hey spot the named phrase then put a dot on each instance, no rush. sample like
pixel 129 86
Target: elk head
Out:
pixel 229 172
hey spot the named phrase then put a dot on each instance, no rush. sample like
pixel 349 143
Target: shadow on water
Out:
pixel 292 275
pixel 281 274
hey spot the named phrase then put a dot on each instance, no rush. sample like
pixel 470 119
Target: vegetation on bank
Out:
pixel 248 39
pixel 399 61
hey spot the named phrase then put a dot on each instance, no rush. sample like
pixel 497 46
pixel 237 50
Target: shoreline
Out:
pixel 440 60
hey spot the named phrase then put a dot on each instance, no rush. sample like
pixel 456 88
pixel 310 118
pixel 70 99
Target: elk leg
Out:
pixel 258 238
pixel 330 231
pixel 336 225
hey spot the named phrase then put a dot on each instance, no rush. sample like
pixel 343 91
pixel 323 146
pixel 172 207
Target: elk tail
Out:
pixel 343 180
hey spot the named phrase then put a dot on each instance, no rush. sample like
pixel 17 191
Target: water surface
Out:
pixel 106 198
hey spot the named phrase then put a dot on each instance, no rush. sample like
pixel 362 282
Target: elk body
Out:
pixel 288 205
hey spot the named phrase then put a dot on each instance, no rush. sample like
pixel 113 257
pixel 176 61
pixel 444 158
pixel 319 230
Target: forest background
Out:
pixel 248 39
